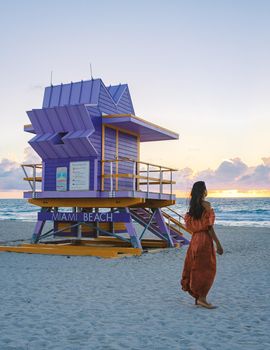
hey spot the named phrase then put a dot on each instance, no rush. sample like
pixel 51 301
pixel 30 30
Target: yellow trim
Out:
pixel 121 130
pixel 138 160
pixel 65 226
pixel 102 156
pixel 36 179
pixel 163 182
pixel 157 203
pixel 39 165
pixel 107 176
pixel 164 168
pixel 87 202
pixel 112 241
pixel 177 223
pixel 121 226
pixel 59 249
pixel 131 176
pixel 111 116
pixel 116 154
pixel 101 202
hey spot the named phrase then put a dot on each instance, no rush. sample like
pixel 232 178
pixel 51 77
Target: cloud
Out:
pixel 266 160
pixel 11 176
pixel 11 173
pixel 230 174
pixel 30 156
pixel 229 170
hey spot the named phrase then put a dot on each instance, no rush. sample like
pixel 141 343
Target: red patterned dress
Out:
pixel 200 263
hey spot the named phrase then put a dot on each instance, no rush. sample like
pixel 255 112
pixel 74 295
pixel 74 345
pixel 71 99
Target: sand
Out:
pixel 55 302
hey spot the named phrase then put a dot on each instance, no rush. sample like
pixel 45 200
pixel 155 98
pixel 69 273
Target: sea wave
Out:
pixel 243 223
pixel 238 212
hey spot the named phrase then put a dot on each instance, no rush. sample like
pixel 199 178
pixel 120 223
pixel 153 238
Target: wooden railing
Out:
pixel 151 174
pixel 33 178
pixel 172 222
pixel 143 176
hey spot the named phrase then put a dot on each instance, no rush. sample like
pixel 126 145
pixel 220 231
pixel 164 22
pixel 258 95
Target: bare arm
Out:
pixel 212 233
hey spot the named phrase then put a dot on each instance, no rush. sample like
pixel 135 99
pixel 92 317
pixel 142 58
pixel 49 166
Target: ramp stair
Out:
pixel 146 218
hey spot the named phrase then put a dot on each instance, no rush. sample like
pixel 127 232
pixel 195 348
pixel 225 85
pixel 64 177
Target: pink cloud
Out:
pixel 230 174
pixel 11 174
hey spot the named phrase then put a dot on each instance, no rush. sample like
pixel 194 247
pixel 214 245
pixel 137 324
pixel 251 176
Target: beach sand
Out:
pixel 55 302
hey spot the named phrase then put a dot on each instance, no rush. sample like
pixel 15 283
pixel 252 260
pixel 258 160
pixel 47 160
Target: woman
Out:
pixel 200 263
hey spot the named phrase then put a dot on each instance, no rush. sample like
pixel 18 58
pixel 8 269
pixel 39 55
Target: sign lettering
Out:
pixel 84 217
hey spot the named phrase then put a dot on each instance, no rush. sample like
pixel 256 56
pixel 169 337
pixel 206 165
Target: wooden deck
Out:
pixel 116 202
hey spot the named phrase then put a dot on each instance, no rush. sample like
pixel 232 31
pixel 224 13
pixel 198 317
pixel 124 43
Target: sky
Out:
pixel 200 68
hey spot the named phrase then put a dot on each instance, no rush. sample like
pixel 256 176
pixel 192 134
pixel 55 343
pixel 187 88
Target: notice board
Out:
pixel 79 174
pixel 61 179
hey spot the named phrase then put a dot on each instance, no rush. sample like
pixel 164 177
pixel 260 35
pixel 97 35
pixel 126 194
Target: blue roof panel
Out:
pixel 116 91
pixel 55 95
pixel 112 99
pixel 75 93
pixel 65 95
pixel 85 92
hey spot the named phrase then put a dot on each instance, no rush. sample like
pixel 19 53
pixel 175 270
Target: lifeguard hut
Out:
pixel 92 182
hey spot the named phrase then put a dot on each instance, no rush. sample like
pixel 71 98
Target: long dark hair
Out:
pixel 197 194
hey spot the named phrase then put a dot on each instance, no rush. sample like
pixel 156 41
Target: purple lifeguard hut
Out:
pixel 92 183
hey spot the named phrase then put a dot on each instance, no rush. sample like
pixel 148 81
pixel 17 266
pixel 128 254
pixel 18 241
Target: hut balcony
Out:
pixel 115 178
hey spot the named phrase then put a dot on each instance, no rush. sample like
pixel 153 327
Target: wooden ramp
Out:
pixel 73 250
pixel 103 247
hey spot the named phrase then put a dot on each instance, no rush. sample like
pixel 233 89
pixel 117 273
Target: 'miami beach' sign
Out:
pixel 84 217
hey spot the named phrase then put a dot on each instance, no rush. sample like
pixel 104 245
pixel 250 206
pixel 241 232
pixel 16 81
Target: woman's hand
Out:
pixel 219 249
pixel 216 240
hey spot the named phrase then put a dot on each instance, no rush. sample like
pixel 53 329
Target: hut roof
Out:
pixel 148 131
pixel 112 99
pixel 66 118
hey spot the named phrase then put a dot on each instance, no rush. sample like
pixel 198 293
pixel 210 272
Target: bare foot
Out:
pixel 205 304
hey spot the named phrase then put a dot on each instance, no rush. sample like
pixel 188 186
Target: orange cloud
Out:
pixel 231 178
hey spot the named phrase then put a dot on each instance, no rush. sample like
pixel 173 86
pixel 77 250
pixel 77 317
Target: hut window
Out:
pixel 57 140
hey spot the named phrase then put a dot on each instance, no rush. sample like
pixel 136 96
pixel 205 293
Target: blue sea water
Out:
pixel 229 211
pixel 254 212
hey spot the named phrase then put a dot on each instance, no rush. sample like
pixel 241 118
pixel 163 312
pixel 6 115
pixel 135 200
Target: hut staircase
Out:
pixel 146 218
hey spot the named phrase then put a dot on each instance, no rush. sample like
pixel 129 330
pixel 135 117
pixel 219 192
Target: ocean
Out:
pixel 252 212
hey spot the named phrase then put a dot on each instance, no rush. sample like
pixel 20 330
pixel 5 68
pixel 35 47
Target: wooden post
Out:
pixel 97 224
pixel 111 176
pixel 34 181
pixel 138 162
pixel 160 182
pixel 116 156
pixel 147 180
pixel 171 183
pixel 134 176
pixel 79 232
pixel 102 156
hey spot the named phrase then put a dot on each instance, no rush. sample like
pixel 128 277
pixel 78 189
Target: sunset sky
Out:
pixel 200 68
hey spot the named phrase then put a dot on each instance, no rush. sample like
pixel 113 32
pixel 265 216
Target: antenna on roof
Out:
pixel 51 77
pixel 91 73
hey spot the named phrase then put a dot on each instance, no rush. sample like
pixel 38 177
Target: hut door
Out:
pixel 127 148
pixel 119 144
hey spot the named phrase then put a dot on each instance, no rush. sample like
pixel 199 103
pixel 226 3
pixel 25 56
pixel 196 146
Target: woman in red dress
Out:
pixel 200 263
